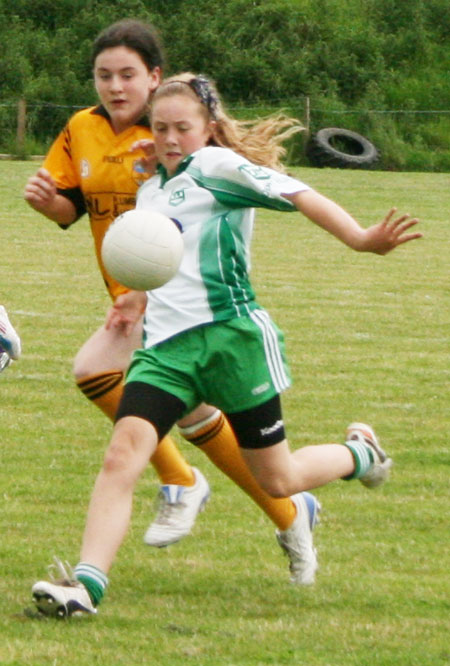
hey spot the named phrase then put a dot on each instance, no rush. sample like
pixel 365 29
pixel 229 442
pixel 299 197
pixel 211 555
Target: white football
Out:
pixel 142 249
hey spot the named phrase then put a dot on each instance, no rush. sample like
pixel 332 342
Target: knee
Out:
pixel 131 447
pixel 81 366
pixel 117 458
pixel 119 455
pixel 98 354
pixel 91 360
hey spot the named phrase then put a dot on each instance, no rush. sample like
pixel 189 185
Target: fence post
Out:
pixel 21 124
pixel 307 115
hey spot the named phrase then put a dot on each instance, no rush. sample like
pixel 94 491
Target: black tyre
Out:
pixel 341 148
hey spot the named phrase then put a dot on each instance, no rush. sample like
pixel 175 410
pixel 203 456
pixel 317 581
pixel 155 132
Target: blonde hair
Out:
pixel 260 140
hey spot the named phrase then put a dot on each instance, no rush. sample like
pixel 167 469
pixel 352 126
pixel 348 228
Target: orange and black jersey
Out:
pixel 94 168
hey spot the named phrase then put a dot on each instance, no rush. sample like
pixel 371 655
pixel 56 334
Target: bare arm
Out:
pixel 40 192
pixel 380 238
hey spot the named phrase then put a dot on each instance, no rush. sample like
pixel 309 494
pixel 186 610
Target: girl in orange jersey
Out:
pixel 91 168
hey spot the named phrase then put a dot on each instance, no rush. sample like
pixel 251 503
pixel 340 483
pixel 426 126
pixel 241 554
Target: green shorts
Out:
pixel 234 365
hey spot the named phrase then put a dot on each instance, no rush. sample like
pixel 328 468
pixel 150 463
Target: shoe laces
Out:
pixel 61 573
pixel 166 509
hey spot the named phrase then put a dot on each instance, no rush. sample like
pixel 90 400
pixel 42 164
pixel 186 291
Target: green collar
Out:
pixel 180 168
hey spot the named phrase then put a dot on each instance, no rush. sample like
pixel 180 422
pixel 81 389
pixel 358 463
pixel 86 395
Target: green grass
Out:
pixel 368 339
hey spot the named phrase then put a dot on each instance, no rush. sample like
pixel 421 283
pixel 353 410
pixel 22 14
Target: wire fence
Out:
pixel 30 127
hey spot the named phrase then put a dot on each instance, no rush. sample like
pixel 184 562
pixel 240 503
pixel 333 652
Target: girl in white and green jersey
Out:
pixel 206 339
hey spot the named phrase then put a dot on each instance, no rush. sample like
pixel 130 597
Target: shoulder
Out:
pixel 90 117
pixel 223 163
pixel 214 160
pixel 216 154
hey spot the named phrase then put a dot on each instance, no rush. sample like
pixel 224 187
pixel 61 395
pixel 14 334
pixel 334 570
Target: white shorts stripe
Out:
pixel 272 350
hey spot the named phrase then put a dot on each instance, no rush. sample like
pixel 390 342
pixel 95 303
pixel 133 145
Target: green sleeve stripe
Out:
pixel 236 195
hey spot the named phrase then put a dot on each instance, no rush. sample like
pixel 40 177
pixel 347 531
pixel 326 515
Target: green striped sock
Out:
pixel 94 580
pixel 363 457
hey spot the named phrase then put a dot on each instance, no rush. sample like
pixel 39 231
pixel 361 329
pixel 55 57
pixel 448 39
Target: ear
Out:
pixel 155 78
pixel 212 126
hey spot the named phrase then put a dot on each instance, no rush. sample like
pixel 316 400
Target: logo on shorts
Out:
pixel 260 389
pixel 278 425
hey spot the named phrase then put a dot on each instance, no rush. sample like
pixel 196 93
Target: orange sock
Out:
pixel 105 390
pixel 215 437
pixel 170 465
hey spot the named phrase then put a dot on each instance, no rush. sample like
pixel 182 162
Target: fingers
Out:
pixel 147 145
pixel 389 222
pixel 403 218
pixel 117 319
pixel 40 187
pixel 387 219
pixel 42 177
pixel 409 237
pixel 400 225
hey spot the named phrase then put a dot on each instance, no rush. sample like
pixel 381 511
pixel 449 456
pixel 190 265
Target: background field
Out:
pixel 368 339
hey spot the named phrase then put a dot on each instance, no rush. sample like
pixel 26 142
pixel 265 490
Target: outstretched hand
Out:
pixel 126 311
pixel 385 236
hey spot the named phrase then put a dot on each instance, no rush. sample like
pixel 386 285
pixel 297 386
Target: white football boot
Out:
pixel 178 508
pixel 297 541
pixel 62 598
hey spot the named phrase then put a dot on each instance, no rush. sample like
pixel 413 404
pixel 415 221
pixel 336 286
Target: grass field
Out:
pixel 368 339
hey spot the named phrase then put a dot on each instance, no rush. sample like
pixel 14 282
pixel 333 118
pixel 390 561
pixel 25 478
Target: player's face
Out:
pixel 124 83
pixel 179 128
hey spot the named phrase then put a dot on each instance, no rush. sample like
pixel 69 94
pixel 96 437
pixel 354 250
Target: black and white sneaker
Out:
pixel 63 598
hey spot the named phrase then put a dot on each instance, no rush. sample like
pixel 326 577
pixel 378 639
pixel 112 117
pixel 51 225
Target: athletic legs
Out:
pixel 99 370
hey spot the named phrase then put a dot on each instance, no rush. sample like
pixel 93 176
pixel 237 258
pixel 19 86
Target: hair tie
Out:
pixel 202 88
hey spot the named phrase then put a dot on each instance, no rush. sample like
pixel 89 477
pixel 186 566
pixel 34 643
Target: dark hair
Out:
pixel 135 35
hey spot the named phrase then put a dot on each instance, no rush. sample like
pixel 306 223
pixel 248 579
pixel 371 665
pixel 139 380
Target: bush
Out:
pixel 353 60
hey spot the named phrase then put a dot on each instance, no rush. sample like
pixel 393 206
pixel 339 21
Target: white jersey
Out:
pixel 212 197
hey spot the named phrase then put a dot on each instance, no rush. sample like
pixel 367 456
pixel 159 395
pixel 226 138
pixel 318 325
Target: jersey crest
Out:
pixel 85 169
pixel 256 172
pixel 139 174
pixel 177 197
